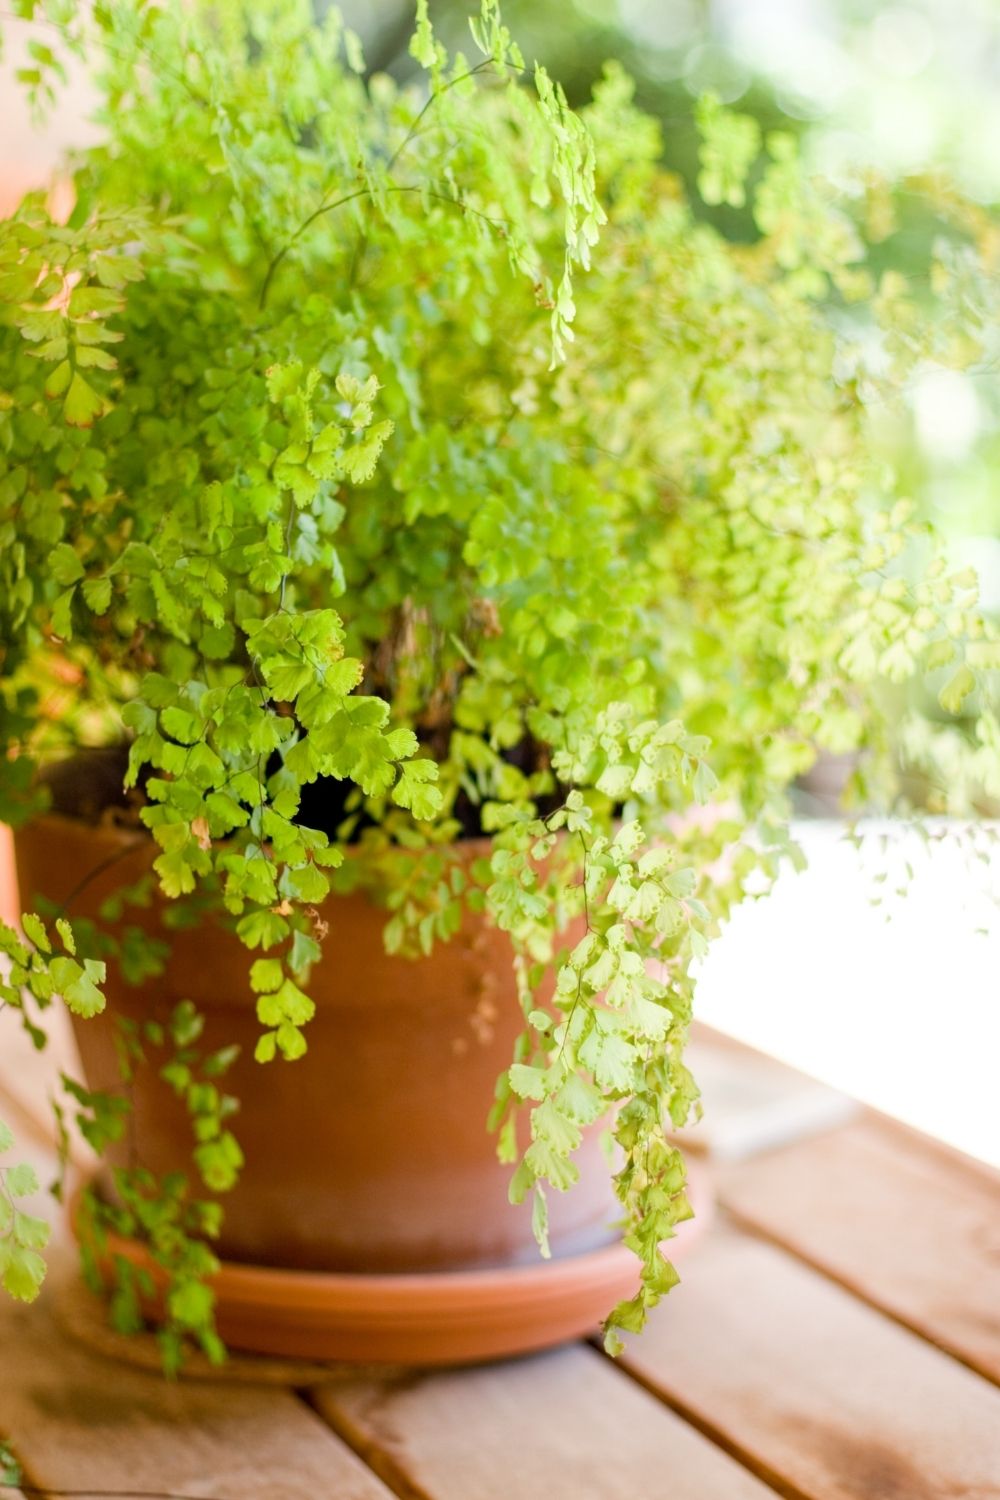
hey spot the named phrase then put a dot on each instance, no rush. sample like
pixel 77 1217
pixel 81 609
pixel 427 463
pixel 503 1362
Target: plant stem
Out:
pixel 365 192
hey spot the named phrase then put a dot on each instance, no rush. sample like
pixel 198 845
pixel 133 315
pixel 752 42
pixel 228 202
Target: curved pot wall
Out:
pixel 370 1154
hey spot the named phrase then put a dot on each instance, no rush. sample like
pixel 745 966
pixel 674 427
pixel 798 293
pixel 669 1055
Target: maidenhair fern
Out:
pixel 422 440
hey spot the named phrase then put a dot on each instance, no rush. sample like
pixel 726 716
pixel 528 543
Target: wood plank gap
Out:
pixel 578 1429
pixel 755 1230
pixel 71 1416
pixel 811 1389
pixel 982 1173
pixel 80 1424
pixel 714 1434
pixel 898 1225
pixel 381 1462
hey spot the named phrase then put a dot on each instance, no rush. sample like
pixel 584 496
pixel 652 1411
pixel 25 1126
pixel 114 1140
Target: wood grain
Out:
pixel 814 1390
pixel 566 1424
pixel 890 1216
pixel 79 1422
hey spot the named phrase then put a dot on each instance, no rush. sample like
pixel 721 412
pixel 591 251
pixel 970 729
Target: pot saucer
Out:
pixel 433 1318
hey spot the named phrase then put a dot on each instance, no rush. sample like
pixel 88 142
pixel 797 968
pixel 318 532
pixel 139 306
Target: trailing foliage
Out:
pixel 22 1235
pixel 10 1469
pixel 325 453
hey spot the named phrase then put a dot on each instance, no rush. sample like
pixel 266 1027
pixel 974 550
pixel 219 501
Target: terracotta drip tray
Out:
pixel 435 1318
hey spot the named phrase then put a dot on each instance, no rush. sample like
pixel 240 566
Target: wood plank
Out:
pixel 754 1103
pixel 888 1215
pixel 561 1424
pixel 81 1423
pixel 812 1389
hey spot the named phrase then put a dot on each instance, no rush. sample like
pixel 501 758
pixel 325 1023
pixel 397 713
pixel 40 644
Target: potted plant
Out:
pixel 383 588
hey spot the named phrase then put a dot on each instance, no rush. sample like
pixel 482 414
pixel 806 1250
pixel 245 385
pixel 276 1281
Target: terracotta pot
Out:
pixel 369 1157
pixel 8 879
pixel 368 1154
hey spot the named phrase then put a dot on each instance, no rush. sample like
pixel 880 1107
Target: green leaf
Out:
pixel 64 565
pixel 266 975
pixel 78 984
pixel 266 1047
pixel 353 51
pixel 31 1233
pixel 96 594
pixel 116 270
pixel 22 1270
pixel 10 1469
pixel 305 951
pixel 358 462
pixel 58 381
pixel 616 781
pixel 416 789
pixel 62 615
pixel 528 1082
pixel 191 1304
pixel 422 45
pixel 540 1220
pixel 283 380
pixel 291 1043
pixel 262 929
pixel 544 1161
pixel 957 689
pixel 21 1181
pixel 549 1123
pixel 730 143
pixel 83 405
pixel 94 358
pixel 181 725
pixel 705 782
pixel 579 1100
pixel 34 931
pixel 611 1058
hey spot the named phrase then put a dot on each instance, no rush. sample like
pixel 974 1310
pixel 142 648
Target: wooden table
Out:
pixel 837 1338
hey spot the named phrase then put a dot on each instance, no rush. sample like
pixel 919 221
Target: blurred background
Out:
pixel 838 954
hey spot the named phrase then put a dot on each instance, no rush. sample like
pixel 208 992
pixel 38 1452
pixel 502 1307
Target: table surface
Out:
pixel 835 1337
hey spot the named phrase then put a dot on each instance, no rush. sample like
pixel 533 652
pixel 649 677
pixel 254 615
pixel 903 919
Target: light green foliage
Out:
pixel 10 1469
pixel 729 146
pixel 167 1212
pixel 43 966
pixel 612 1036
pixel 22 1234
pixel 424 439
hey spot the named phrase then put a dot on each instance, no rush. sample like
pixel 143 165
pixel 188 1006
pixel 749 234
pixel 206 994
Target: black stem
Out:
pixel 366 192
pixel 98 869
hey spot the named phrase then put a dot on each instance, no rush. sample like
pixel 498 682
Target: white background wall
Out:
pixel 897 1005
